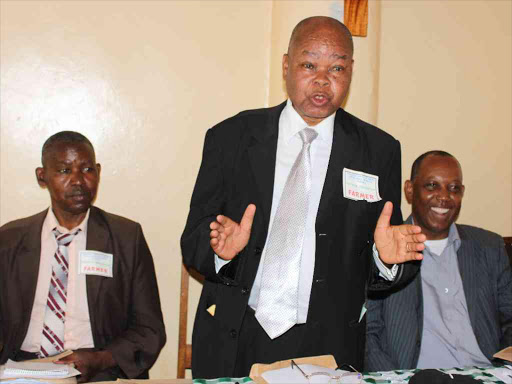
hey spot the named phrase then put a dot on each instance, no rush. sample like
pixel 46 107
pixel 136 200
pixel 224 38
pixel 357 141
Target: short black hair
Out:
pixel 68 137
pixel 417 163
pixel 344 29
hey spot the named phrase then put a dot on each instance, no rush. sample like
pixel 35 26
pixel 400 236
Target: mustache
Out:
pixel 77 191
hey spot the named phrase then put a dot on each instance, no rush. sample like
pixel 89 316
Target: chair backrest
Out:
pixel 184 349
pixel 508 246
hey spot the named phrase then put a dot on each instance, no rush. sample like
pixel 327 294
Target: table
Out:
pixel 485 374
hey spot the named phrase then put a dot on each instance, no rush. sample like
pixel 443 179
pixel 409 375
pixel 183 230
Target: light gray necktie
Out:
pixel 278 302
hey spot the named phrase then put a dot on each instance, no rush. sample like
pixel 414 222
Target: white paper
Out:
pixel 25 381
pixel 504 374
pixel 13 370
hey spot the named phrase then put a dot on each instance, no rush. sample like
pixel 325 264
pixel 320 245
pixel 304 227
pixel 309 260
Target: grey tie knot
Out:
pixel 64 239
pixel 308 135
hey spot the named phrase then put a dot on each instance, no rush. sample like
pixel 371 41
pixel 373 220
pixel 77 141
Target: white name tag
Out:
pixel 360 186
pixel 95 263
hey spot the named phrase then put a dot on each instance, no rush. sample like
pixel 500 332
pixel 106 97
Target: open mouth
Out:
pixel 319 99
pixel 440 211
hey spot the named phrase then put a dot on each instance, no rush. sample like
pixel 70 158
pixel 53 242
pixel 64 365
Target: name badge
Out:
pixel 95 263
pixel 360 186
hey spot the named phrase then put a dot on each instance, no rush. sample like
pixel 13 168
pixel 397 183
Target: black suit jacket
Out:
pixel 238 168
pixel 395 323
pixel 125 310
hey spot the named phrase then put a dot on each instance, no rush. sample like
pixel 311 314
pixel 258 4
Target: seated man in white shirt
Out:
pixel 458 310
pixel 75 277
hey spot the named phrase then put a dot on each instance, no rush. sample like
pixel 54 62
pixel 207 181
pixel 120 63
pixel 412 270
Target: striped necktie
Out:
pixel 52 341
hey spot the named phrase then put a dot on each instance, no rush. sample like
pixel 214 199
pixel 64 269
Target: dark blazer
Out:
pixel 238 168
pixel 395 323
pixel 125 310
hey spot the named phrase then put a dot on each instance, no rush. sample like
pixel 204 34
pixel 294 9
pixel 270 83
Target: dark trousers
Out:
pixel 254 345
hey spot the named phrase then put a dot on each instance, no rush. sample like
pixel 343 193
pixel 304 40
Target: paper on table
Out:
pixel 13 370
pixel 504 374
pixel 24 381
pixel 293 375
pixel 325 361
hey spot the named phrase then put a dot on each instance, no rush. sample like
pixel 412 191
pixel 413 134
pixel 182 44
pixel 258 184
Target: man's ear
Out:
pixel 40 177
pixel 285 65
pixel 98 167
pixel 408 189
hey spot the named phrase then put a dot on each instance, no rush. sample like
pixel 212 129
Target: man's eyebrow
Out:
pixel 339 57
pixel 309 53
pixel 333 56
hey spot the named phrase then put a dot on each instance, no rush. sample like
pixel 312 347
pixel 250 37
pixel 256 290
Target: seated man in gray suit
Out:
pixel 457 311
pixel 75 277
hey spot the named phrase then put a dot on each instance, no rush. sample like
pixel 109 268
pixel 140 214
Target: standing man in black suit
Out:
pixel 284 220
pixel 458 310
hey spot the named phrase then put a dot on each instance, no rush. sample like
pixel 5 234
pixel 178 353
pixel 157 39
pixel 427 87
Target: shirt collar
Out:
pixel 453 235
pixel 292 123
pixel 51 222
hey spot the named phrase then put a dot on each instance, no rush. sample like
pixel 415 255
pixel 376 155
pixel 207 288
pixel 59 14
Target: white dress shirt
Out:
pixel 77 331
pixel 289 145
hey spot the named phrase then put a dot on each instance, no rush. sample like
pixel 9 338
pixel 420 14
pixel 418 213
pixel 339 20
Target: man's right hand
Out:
pixel 227 237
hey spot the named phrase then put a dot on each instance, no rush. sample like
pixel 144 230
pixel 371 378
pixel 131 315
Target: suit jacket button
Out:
pixel 245 291
pixel 232 333
pixel 257 250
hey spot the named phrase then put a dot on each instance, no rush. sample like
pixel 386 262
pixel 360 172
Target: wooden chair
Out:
pixel 508 246
pixel 184 349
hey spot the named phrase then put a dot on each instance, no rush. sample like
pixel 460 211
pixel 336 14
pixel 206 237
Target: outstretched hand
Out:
pixel 89 362
pixel 397 243
pixel 227 237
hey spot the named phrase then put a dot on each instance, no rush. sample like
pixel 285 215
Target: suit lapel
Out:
pixel 468 270
pixel 262 158
pixel 97 240
pixel 28 261
pixel 344 146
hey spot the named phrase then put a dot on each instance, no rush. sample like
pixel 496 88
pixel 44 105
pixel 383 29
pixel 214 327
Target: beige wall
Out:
pixel 144 80
pixel 445 83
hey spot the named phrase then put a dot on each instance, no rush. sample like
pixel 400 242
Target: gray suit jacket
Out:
pixel 395 321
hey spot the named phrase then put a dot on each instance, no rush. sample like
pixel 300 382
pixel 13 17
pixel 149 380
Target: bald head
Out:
pixel 316 24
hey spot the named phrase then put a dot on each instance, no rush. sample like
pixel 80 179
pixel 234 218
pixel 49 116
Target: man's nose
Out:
pixel 77 177
pixel 443 194
pixel 322 78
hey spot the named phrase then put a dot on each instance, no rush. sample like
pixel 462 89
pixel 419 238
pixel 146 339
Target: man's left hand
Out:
pixel 400 243
pixel 89 362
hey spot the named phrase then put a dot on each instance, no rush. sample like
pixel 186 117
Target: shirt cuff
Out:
pixel 384 272
pixel 219 263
